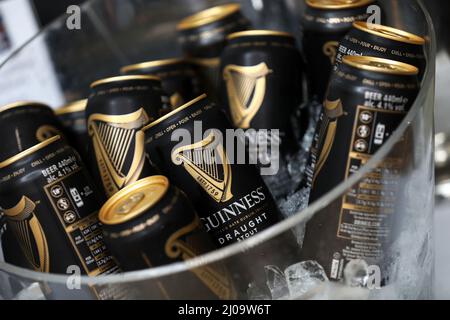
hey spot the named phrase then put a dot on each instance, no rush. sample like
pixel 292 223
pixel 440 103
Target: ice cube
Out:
pixel 254 292
pixel 411 253
pixel 305 279
pixel 32 292
pixel 338 291
pixel 276 282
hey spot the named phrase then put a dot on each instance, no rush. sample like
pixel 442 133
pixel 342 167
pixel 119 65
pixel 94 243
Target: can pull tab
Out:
pixel 130 203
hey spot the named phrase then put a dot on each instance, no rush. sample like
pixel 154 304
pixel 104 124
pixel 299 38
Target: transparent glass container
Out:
pixel 117 33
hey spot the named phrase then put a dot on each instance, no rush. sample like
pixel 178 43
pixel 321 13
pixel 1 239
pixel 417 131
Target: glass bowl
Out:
pixel 57 66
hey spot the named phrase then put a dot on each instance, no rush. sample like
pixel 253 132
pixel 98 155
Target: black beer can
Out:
pixel 375 40
pixel 152 223
pixel 324 24
pixel 231 198
pixel 24 124
pixel 262 84
pixel 118 108
pixel 51 208
pixel 73 120
pixel 203 36
pixel 178 78
pixel 367 99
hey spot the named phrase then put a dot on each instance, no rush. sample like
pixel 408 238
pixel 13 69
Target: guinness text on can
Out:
pixel 231 199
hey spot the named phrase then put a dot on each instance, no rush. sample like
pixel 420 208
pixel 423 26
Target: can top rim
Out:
pixel 207 16
pixel 75 106
pixel 133 200
pixel 251 33
pixel 170 114
pixel 381 65
pixel 123 78
pixel 389 32
pixel 151 64
pixel 24 103
pixel 337 4
pixel 29 151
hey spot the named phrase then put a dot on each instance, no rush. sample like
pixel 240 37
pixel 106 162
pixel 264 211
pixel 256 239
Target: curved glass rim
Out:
pixel 279 228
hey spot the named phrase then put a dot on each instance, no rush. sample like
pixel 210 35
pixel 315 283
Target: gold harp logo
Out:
pixel 214 276
pixel 330 50
pixel 25 225
pixel 207 162
pixel 246 87
pixel 119 147
pixel 327 133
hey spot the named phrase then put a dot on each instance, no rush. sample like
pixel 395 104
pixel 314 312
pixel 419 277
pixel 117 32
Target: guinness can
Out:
pixel 231 199
pixel 24 124
pixel 73 120
pixel 203 36
pixel 367 100
pixel 324 24
pixel 262 84
pixel 178 78
pixel 380 41
pixel 51 208
pixel 117 110
pixel 152 223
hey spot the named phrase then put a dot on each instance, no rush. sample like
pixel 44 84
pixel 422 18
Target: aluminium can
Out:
pixel 203 36
pixel 118 108
pixel 51 207
pixel 178 78
pixel 262 73
pixel 367 100
pixel 231 199
pixel 151 223
pixel 73 120
pixel 324 23
pixel 381 41
pixel 24 124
